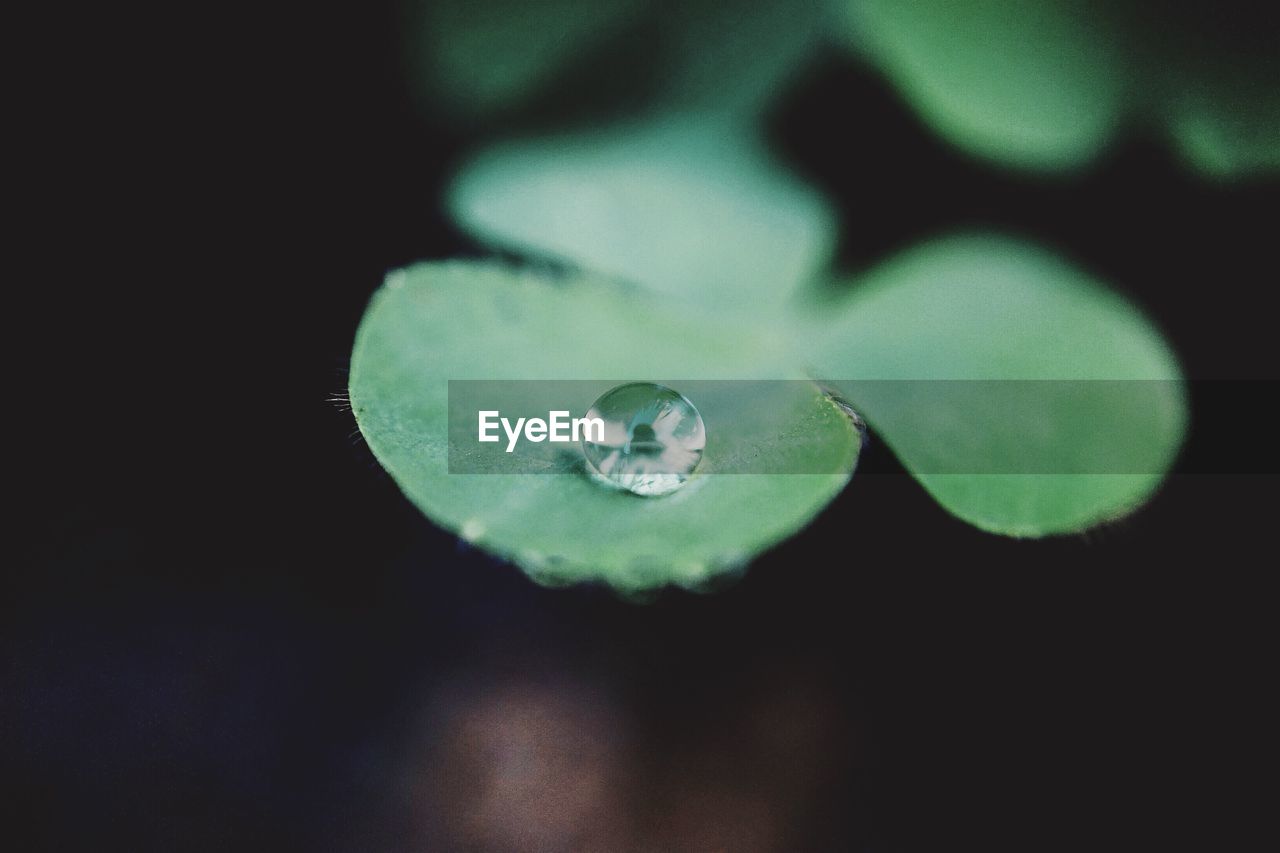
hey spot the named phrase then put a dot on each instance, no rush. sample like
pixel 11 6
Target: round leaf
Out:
pixel 1024 83
pixel 1027 399
pixel 441 321
pixel 692 209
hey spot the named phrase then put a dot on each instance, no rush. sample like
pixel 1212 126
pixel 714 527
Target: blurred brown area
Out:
pixel 512 761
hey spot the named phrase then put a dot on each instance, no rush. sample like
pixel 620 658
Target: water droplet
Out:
pixel 653 438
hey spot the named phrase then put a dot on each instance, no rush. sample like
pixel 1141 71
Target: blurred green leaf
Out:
pixel 1023 83
pixel 694 209
pixel 440 321
pixel 1230 126
pixel 1045 85
pixel 733 57
pixel 935 348
pixel 480 56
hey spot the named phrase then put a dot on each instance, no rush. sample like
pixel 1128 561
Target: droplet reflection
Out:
pixel 653 438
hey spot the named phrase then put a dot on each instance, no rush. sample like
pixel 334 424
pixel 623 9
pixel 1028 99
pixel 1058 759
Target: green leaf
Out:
pixel 480 56
pixel 1214 79
pixel 1029 84
pixel 1230 127
pixel 733 57
pixel 697 210
pixel 440 321
pixel 1045 85
pixel 1025 398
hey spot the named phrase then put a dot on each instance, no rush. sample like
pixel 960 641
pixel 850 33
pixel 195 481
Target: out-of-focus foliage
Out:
pixel 1048 84
pixel 1018 82
pixel 481 58
pixel 692 251
pixel 1043 85
pixel 733 56
pixel 694 209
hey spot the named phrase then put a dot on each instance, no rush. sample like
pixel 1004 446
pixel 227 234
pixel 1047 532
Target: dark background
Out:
pixel 224 627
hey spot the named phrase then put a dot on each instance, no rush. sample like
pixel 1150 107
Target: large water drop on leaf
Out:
pixel 652 438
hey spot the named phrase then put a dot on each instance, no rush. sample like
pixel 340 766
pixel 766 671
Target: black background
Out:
pixel 219 612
